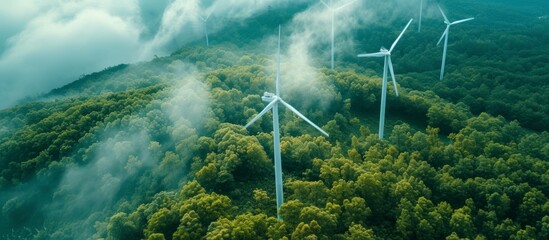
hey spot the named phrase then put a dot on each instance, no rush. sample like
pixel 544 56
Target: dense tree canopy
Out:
pixel 157 150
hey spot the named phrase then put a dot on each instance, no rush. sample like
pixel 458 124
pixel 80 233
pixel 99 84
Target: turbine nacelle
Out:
pixel 268 97
pixel 447 22
pixel 205 19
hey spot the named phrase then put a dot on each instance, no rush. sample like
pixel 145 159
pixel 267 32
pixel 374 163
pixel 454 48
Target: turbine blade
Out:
pixel 265 110
pixel 393 75
pixel 399 36
pixel 210 13
pixel 443 15
pixel 303 117
pixel 463 20
pixel 344 5
pixel 443 34
pixel 278 65
pixel 325 4
pixel 377 54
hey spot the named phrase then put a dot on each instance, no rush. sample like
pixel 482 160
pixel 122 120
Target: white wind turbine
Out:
pixel 388 65
pixel 274 100
pixel 205 21
pixel 445 36
pixel 420 15
pixel 333 10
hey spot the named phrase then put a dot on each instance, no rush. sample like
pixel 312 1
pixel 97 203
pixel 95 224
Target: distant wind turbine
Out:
pixel 274 99
pixel 388 65
pixel 445 36
pixel 333 10
pixel 420 15
pixel 205 21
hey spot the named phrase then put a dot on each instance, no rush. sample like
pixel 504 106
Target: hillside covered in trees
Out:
pixel 157 149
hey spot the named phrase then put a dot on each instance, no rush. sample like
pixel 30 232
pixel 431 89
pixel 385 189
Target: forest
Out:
pixel 157 149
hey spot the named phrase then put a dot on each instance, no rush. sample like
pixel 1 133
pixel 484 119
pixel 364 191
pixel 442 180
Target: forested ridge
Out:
pixel 157 149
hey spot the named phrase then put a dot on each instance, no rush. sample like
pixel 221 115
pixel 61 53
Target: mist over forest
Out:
pixel 125 120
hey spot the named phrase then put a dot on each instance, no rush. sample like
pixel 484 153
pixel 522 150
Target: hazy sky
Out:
pixel 47 44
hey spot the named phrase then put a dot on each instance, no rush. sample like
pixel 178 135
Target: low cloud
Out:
pixel 63 42
pixel 88 192
pixel 68 197
pixel 309 46
pixel 45 45
pixel 190 99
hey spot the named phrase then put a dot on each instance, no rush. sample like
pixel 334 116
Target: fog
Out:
pixel 68 197
pixel 47 44
pixel 53 43
pixel 308 46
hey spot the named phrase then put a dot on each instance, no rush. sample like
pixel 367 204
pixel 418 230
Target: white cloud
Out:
pixel 47 44
pixel 52 43
pixel 55 48
pixel 177 20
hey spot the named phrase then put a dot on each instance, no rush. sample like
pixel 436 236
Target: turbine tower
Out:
pixel 274 99
pixel 445 37
pixel 388 65
pixel 205 21
pixel 333 10
pixel 420 15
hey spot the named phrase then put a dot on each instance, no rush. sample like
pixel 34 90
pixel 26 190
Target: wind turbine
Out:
pixel 333 10
pixel 274 99
pixel 205 21
pixel 388 65
pixel 445 36
pixel 420 15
